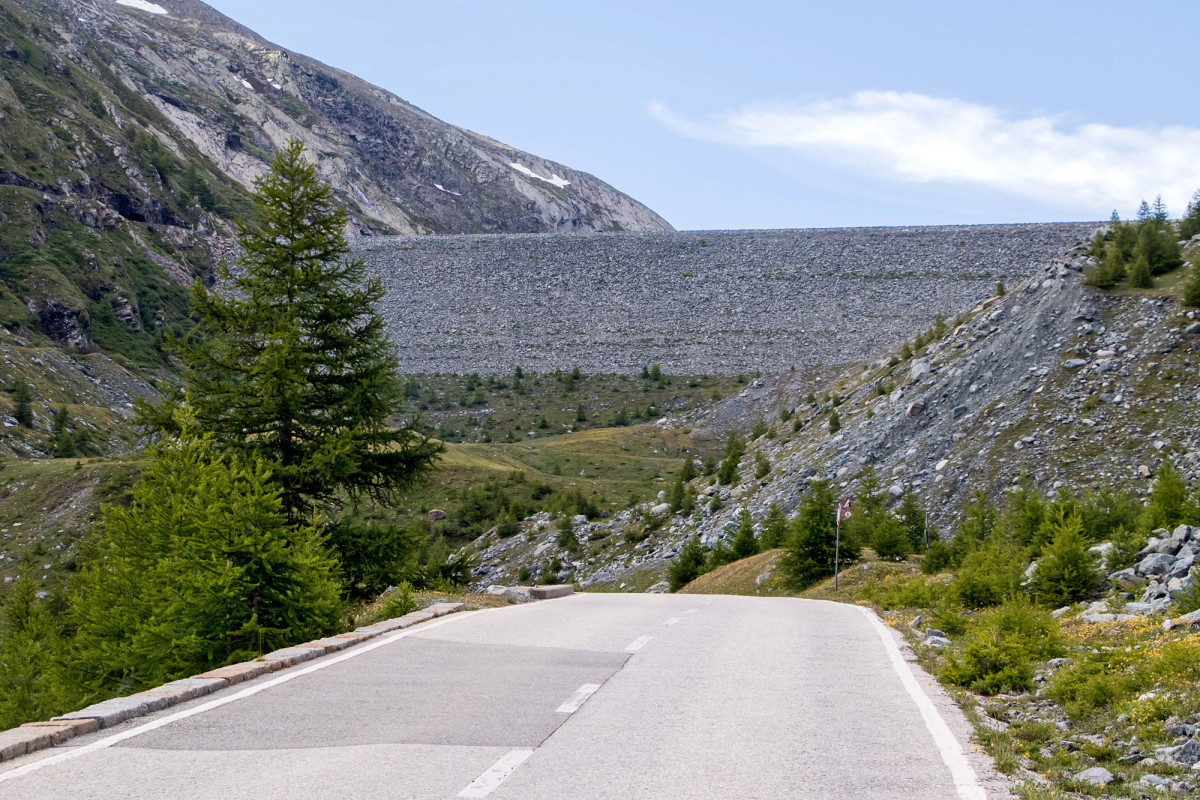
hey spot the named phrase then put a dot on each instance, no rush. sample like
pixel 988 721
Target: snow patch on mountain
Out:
pixel 554 178
pixel 142 5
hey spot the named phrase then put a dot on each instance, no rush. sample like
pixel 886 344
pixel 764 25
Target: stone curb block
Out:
pixel 40 735
pixel 19 741
pixel 183 690
pixel 247 670
pixel 115 711
pixel 551 592
pixel 64 729
pixel 291 656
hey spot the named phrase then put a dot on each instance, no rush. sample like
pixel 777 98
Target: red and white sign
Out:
pixel 845 510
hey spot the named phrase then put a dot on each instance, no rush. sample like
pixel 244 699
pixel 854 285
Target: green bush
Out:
pixel 1066 572
pixel 889 538
pixel 938 559
pixel 1002 647
pixel 989 575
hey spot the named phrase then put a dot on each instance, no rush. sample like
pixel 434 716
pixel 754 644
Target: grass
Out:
pixel 740 577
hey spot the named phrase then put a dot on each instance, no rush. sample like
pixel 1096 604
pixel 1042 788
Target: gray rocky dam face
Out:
pixel 694 302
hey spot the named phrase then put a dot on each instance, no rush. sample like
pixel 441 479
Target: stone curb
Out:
pixel 34 736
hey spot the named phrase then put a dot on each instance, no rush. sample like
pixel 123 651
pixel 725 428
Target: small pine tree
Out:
pixel 64 445
pixel 1169 503
pixel 580 414
pixel 1066 572
pixel 1000 289
pixel 774 528
pixel 762 466
pixel 23 408
pixel 566 538
pixel 835 422
pixel 889 538
pixel 812 538
pixel 745 543
pixel 1140 276
pixel 200 569
pixel 30 651
pixel 1190 296
pixel 912 516
pixel 689 565
pixel 688 472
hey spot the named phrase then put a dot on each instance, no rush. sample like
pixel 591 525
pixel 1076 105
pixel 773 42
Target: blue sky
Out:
pixel 777 115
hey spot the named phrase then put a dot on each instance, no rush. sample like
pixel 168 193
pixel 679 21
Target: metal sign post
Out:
pixel 926 531
pixel 843 512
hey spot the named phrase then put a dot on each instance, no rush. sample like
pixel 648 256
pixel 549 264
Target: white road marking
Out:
pixel 579 698
pixel 671 621
pixel 691 611
pixel 486 783
pixel 965 780
pixel 288 675
pixel 638 643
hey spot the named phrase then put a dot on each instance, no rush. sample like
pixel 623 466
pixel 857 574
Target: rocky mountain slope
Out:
pixel 1055 380
pixel 130 136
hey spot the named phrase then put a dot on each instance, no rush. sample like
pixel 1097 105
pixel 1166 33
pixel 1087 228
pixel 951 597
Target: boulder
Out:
pixel 920 369
pixel 1155 564
pixel 1097 776
pixel 1075 363
pixel 661 510
pixel 1189 753
pixel 437 515
pixel 915 409
pixel 1126 579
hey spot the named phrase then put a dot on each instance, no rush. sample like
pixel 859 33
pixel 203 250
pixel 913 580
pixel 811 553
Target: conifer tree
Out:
pixel 1190 295
pixel 200 569
pixel 290 362
pixel 22 405
pixel 30 648
pixel 912 517
pixel 774 529
pixel 689 565
pixel 64 445
pixel 812 542
pixel 745 543
pixel 1140 276
pixel 1066 573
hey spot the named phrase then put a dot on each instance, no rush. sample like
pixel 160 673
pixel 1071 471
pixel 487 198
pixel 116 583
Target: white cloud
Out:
pixel 920 139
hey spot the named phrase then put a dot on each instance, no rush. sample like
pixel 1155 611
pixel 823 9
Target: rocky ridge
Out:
pixel 696 302
pixel 235 97
pixel 1055 380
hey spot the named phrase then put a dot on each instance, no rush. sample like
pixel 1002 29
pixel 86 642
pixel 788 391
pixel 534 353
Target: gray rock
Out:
pixel 1189 753
pixel 915 409
pixel 920 369
pixel 1155 564
pixel 659 588
pixel 896 490
pixel 960 411
pixel 1126 579
pixel 1097 776
pixel 1075 363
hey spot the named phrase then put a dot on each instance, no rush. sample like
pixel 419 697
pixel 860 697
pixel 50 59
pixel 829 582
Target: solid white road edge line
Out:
pixel 579 698
pixel 965 780
pixel 496 773
pixel 638 643
pixel 671 621
pixel 288 675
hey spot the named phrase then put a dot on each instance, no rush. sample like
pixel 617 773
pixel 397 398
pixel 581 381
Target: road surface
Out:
pixel 651 697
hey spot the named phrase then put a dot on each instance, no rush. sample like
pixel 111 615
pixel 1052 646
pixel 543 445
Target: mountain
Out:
pixel 131 133
pixel 1067 385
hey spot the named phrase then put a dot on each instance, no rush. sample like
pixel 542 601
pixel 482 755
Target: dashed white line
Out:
pixel 486 783
pixel 965 780
pixel 579 698
pixel 671 621
pixel 691 611
pixel 638 643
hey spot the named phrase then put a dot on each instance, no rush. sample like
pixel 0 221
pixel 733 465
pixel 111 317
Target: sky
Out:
pixel 758 114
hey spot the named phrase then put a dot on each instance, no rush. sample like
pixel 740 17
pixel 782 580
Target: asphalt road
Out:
pixel 589 697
